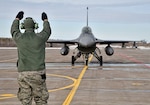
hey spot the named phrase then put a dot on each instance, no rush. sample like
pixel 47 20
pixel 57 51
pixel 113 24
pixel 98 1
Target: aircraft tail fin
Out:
pixel 87 16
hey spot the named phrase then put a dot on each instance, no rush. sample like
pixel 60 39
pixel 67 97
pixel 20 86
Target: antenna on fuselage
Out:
pixel 87 16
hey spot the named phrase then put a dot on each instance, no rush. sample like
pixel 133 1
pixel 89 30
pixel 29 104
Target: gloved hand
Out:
pixel 44 16
pixel 20 15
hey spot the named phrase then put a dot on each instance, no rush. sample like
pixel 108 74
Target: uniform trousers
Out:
pixel 32 85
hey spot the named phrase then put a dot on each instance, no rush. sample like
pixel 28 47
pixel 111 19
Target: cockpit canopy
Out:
pixel 86 30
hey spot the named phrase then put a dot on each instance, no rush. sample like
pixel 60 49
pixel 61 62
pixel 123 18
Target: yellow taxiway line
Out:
pixel 6 96
pixel 65 87
pixel 74 89
pixel 75 85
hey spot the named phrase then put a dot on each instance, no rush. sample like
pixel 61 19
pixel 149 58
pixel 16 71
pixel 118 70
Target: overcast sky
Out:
pixel 109 19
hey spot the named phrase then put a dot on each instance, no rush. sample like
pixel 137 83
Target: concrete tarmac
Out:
pixel 124 78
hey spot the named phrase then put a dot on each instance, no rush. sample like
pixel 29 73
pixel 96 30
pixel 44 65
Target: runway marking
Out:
pixel 77 83
pixel 137 84
pixel 6 96
pixel 133 60
pixel 65 87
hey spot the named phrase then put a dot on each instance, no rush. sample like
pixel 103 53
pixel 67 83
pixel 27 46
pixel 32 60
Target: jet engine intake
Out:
pixel 64 50
pixel 109 50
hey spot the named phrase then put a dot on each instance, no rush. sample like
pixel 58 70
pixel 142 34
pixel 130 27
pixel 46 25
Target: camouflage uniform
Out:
pixel 31 62
pixel 32 85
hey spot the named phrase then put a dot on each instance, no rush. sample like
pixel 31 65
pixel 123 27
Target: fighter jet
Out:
pixel 86 45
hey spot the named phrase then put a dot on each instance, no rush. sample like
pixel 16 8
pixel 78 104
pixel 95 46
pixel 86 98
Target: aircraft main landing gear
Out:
pixel 99 58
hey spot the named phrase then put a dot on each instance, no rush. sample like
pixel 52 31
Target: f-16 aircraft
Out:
pixel 86 45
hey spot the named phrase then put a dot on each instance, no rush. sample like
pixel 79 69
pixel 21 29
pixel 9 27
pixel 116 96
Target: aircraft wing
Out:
pixel 116 41
pixel 111 41
pixel 62 41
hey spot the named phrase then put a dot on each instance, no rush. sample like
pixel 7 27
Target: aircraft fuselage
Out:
pixel 86 41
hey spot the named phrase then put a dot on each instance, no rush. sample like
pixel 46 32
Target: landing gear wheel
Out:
pixel 101 61
pixel 86 62
pixel 73 59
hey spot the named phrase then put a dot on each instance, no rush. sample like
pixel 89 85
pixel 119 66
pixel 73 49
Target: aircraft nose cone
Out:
pixel 86 42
